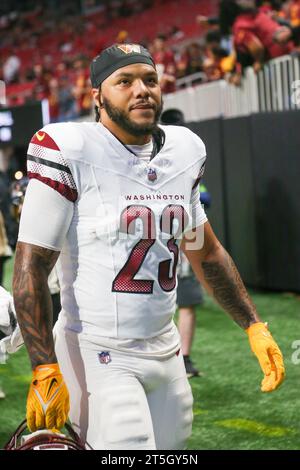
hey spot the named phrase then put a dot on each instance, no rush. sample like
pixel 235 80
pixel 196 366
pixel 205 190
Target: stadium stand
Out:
pixel 42 48
pixel 49 46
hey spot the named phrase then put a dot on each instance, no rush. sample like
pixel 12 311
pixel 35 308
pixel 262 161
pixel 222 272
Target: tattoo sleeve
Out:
pixel 32 299
pixel 223 278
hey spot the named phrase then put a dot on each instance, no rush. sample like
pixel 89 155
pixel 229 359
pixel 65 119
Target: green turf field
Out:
pixel 230 411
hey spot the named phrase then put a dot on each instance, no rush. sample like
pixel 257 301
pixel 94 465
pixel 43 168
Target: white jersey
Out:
pixel 117 267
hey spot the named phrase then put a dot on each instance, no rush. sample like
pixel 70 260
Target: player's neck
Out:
pixel 125 137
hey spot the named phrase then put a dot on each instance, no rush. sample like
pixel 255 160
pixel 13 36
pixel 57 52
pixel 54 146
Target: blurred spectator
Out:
pixel 122 37
pixel 66 97
pixel 165 64
pixel 53 100
pixel 176 33
pixel 11 68
pixel 212 69
pixel 206 22
pixel 213 39
pixel 258 36
pixel 42 78
pixel 191 61
pixel 219 63
pixel 218 60
pixel 228 11
pixel 82 88
pixel 294 13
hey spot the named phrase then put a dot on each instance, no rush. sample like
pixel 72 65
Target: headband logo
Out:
pixel 129 48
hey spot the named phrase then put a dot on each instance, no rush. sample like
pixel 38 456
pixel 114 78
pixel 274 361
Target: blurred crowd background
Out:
pixel 46 46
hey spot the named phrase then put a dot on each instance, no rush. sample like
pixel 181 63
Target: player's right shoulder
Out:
pixel 51 157
pixel 64 137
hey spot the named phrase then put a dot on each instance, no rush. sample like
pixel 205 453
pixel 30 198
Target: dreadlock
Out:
pixel 97 112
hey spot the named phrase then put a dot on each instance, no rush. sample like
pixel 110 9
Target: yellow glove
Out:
pixel 48 399
pixel 268 354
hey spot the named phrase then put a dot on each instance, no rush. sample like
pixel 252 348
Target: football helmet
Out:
pixel 44 439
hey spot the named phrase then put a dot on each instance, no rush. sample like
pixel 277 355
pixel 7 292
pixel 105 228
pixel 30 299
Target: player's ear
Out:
pixel 97 97
pixel 100 98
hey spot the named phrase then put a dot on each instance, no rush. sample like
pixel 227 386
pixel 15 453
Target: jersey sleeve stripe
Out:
pixel 49 154
pixel 43 161
pixel 50 172
pixel 47 163
pixel 54 177
pixel 63 189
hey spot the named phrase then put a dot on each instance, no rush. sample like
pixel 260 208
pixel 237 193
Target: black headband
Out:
pixel 115 57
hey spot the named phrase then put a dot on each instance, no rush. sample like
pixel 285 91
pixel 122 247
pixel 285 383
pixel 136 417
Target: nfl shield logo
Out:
pixel 104 357
pixel 152 176
pixel 129 48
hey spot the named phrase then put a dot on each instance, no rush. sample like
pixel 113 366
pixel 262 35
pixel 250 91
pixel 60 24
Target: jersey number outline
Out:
pixel 124 281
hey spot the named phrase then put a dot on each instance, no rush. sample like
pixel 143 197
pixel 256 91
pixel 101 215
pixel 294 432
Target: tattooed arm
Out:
pixel 216 270
pixel 32 299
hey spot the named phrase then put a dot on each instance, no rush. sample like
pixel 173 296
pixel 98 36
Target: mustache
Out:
pixel 143 103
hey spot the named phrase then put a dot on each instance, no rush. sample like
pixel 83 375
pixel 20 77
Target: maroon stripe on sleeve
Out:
pixel 64 190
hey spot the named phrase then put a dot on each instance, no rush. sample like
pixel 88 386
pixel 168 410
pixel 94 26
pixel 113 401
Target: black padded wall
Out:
pixel 240 197
pixel 253 174
pixel 276 160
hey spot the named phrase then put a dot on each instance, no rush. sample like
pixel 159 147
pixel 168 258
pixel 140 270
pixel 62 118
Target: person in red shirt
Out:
pixel 165 64
pixel 257 34
pixel 274 37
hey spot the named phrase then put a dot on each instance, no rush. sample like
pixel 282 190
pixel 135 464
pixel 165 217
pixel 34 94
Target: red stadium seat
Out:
pixel 145 25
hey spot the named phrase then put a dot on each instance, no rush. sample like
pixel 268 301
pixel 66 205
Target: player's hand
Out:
pixel 268 354
pixel 48 399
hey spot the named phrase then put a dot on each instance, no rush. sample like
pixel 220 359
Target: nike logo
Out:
pixel 52 384
pixel 41 136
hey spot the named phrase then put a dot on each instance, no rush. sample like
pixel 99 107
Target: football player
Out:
pixel 113 201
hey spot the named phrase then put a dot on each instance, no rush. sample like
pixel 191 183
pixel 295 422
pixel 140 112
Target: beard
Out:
pixel 122 119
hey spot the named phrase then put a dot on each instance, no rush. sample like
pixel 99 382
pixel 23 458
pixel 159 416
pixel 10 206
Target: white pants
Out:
pixel 129 403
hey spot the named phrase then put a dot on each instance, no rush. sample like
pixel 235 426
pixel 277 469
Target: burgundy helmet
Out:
pixel 44 439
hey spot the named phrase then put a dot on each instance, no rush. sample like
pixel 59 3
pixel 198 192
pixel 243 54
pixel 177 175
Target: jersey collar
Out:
pixel 158 138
